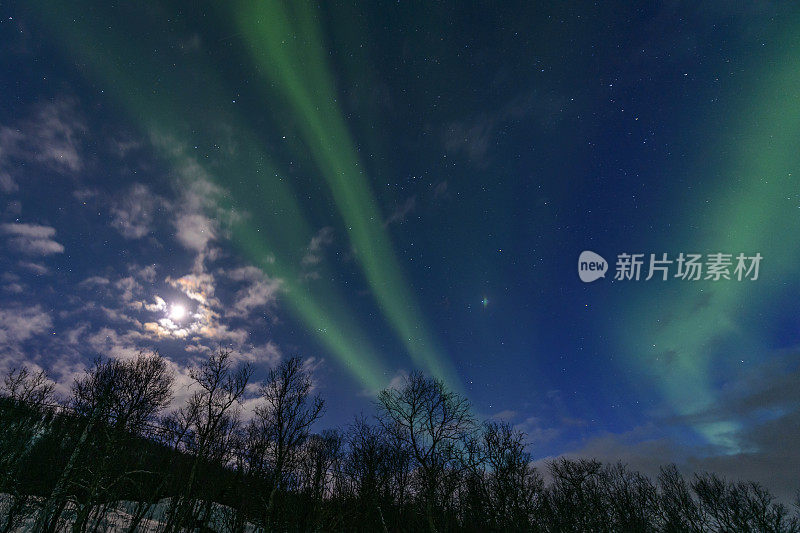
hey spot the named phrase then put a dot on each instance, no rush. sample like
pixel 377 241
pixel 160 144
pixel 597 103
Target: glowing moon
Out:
pixel 177 312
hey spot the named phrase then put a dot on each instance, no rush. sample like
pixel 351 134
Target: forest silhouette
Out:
pixel 115 455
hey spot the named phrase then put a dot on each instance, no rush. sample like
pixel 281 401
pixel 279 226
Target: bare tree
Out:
pixel 630 498
pixel 677 510
pixel 574 498
pixel 205 425
pixel 740 506
pixel 369 471
pixel 129 393
pixel 514 489
pixel 282 422
pixel 434 423
pixel 31 388
pixel 424 465
pixel 122 397
pixel 23 422
pixel 316 461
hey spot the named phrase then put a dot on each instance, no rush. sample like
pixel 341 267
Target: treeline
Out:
pixel 109 458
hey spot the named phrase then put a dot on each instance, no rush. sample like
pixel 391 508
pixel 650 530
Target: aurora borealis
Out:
pixel 383 187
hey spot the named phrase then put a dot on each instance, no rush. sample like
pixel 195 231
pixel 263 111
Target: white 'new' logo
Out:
pixel 591 266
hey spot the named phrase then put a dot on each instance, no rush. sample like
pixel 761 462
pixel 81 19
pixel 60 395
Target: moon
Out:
pixel 177 312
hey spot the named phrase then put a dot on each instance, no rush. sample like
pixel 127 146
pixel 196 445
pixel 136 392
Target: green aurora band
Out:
pixel 186 105
pixel 695 336
pixel 178 107
pixel 297 69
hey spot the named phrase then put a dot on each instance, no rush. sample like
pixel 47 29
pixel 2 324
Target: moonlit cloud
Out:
pixel 7 183
pixel 195 231
pixel 258 294
pixel 36 268
pixel 31 239
pixel 20 325
pixel 134 213
pixel 51 137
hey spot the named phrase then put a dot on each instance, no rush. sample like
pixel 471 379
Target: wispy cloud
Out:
pixel 36 268
pixel 258 294
pixel 7 183
pixel 764 400
pixel 319 242
pixel 402 211
pixel 133 214
pixel 20 323
pixel 51 136
pixel 31 239
pixel 476 137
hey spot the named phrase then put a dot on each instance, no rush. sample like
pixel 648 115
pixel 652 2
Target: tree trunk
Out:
pixel 141 510
pixel 81 517
pixel 44 522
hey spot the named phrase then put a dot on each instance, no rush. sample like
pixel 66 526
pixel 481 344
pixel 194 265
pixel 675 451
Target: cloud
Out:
pixel 133 215
pixel 195 231
pixel 32 239
pixel 259 290
pixel 762 406
pixel 201 219
pixel 647 448
pixel 120 309
pixel 319 242
pixel 18 324
pixel 440 190
pixel 31 231
pixel 51 137
pixel 198 287
pixel 130 289
pixel 401 212
pixel 36 268
pixel 147 273
pixel 258 294
pixel 111 343
pixel 475 137
pixel 158 305
pixel 14 288
pixel 267 353
pixel 7 183
pixel 314 251
pixel 768 387
pixel 506 414
pixel 135 319
pixel 396 382
pixel 536 431
pixel 96 281
pixel 246 273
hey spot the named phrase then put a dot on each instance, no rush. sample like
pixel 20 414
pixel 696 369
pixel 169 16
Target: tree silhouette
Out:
pixel 24 386
pixel 205 425
pixel 281 424
pixel 104 460
pixel 432 422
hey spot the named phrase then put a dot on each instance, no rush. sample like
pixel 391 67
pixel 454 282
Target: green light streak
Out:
pixel 752 211
pixel 178 116
pixel 285 42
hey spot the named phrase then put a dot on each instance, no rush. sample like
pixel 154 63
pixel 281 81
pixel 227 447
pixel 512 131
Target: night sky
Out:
pixel 382 187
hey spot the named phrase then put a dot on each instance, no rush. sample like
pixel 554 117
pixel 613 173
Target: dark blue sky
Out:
pixel 394 187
